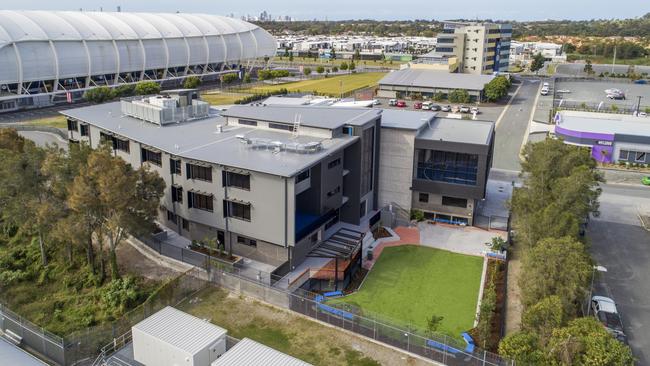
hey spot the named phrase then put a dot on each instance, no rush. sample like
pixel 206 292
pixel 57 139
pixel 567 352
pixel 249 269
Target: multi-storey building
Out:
pixel 265 180
pixel 481 48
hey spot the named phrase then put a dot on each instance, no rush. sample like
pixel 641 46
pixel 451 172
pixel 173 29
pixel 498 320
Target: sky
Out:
pixel 364 9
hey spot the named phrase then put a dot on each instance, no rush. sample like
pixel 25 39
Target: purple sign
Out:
pixel 602 154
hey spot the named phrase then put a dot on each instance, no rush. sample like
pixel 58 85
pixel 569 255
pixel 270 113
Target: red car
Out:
pixel 402 104
pixel 417 105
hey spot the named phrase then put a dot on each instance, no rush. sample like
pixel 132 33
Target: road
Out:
pixel 44 138
pixel 620 244
pixel 512 128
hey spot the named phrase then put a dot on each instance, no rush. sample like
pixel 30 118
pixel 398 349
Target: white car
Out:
pixel 426 106
pixel 544 91
pixel 474 110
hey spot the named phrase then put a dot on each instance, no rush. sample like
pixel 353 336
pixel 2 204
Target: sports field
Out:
pixel 409 284
pixel 333 85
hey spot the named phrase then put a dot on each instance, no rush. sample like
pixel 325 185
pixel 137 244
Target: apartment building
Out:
pixel 481 48
pixel 265 180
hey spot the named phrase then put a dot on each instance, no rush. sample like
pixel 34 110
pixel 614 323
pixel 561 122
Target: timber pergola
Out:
pixel 343 245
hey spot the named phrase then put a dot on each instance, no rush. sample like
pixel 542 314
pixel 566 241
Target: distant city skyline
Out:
pixel 377 9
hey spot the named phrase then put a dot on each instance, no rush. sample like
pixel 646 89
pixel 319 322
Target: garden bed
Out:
pixel 496 269
pixel 380 233
pixel 214 254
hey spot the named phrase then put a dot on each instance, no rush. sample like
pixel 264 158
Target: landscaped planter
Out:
pixel 215 254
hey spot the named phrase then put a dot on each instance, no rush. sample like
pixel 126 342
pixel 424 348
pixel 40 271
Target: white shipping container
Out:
pixel 171 337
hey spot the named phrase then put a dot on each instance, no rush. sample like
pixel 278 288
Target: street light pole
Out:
pixel 591 287
pixel 638 105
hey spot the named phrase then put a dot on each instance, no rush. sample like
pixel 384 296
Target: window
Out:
pixel 347 130
pixel 367 160
pixel 334 191
pixel 200 201
pixel 177 194
pixel 302 176
pixel 447 167
pixel 362 209
pixel 172 217
pixel 84 130
pixel 313 239
pixel 186 224
pixel 279 126
pixel 246 241
pixel 247 122
pixel 236 180
pixel 640 157
pixel 151 156
pixel 455 202
pixel 72 125
pixel 334 163
pixel 423 198
pixel 122 145
pixel 198 172
pixel 624 155
pixel 175 166
pixel 237 210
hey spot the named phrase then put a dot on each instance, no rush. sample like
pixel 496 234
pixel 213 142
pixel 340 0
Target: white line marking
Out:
pixel 530 122
pixel 496 124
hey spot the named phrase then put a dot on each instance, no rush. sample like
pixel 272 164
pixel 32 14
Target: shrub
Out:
pixel 417 215
pixel 120 294
pixel 192 82
pixel 438 96
pixel 272 74
pixel 147 88
pixel 459 96
pixel 99 94
pixel 125 90
pixel 260 96
pixel 247 78
pixel 307 71
pixel 344 66
pixel 229 78
pixel 335 69
pixel 320 69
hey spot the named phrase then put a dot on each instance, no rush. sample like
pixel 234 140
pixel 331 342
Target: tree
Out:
pixel 438 96
pixel 542 317
pixel 307 71
pixel 357 55
pixel 192 82
pixel 433 323
pixel 335 69
pixel 147 88
pixel 291 57
pixel 523 348
pixel 99 94
pixel 352 66
pixel 459 96
pixel 559 267
pixel 344 66
pixel 537 63
pixel 124 90
pixel 333 54
pixel 588 69
pixel 320 69
pixel 496 89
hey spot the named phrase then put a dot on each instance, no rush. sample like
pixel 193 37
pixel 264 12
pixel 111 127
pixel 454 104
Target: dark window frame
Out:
pixel 243 240
pixel 84 129
pixel 236 180
pixel 303 176
pixel 198 172
pixel 177 194
pixel 200 201
pixel 425 196
pixel 73 125
pixel 247 122
pixel 175 166
pixel 334 163
pixel 454 202
pixel 280 126
pixel 150 156
pixel 237 210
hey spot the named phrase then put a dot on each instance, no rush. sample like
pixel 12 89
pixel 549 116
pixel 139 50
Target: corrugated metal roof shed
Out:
pixel 425 78
pixel 248 352
pixel 180 330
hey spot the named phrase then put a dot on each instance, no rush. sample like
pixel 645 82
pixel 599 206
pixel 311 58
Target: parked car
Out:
pixel 434 107
pixel 417 105
pixel 604 309
pixel 400 104
pixel 426 106
pixel 376 102
pixel 646 180
pixel 446 108
pixel 464 109
pixel 474 110
pixel 640 81
pixel 545 85
pixel 392 102
pixel 455 109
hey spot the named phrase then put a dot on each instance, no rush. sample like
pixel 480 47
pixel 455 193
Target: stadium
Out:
pixel 53 57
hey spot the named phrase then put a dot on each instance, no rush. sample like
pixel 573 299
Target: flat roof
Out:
pixel 426 78
pixel 459 130
pixel 199 140
pixel 605 123
pixel 406 120
pixel 12 355
pixel 248 352
pixel 181 330
pixel 310 116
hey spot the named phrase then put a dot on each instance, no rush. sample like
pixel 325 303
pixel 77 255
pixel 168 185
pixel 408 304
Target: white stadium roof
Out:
pixel 47 45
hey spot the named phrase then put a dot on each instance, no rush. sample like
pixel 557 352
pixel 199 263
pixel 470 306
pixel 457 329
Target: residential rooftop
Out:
pixel 248 352
pixel 200 139
pixel 457 130
pixel 310 116
pixel 605 123
pixel 427 78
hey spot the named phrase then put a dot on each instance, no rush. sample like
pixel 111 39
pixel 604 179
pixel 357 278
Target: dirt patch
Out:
pixel 514 307
pixel 287 332
pixel 381 232
pixel 131 261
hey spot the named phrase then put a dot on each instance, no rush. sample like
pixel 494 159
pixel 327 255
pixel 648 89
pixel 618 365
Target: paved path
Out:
pixel 620 244
pixel 512 128
pixel 44 138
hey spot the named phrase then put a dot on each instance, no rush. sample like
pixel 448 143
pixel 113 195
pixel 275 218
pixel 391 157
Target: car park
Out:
pixel 446 108
pixel 604 309
pixel 400 104
pixel 464 109
pixel 392 102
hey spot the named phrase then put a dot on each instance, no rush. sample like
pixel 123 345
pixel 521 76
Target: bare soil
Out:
pixel 514 307
pixel 131 261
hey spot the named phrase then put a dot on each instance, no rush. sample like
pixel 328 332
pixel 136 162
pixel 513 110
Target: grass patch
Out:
pixel 409 284
pixel 641 61
pixel 56 122
pixel 550 69
pixel 334 85
pixel 293 335
pixel 222 99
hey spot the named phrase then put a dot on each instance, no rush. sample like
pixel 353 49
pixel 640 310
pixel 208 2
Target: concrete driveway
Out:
pixel 459 239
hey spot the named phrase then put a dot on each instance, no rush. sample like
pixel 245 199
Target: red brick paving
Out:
pixel 407 236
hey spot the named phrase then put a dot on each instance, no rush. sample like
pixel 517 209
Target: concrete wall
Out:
pixel 396 167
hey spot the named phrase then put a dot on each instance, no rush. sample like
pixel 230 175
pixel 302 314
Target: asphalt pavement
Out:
pixel 512 128
pixel 44 138
pixel 620 244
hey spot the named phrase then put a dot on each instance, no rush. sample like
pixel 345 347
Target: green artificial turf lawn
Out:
pixel 333 85
pixel 409 284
